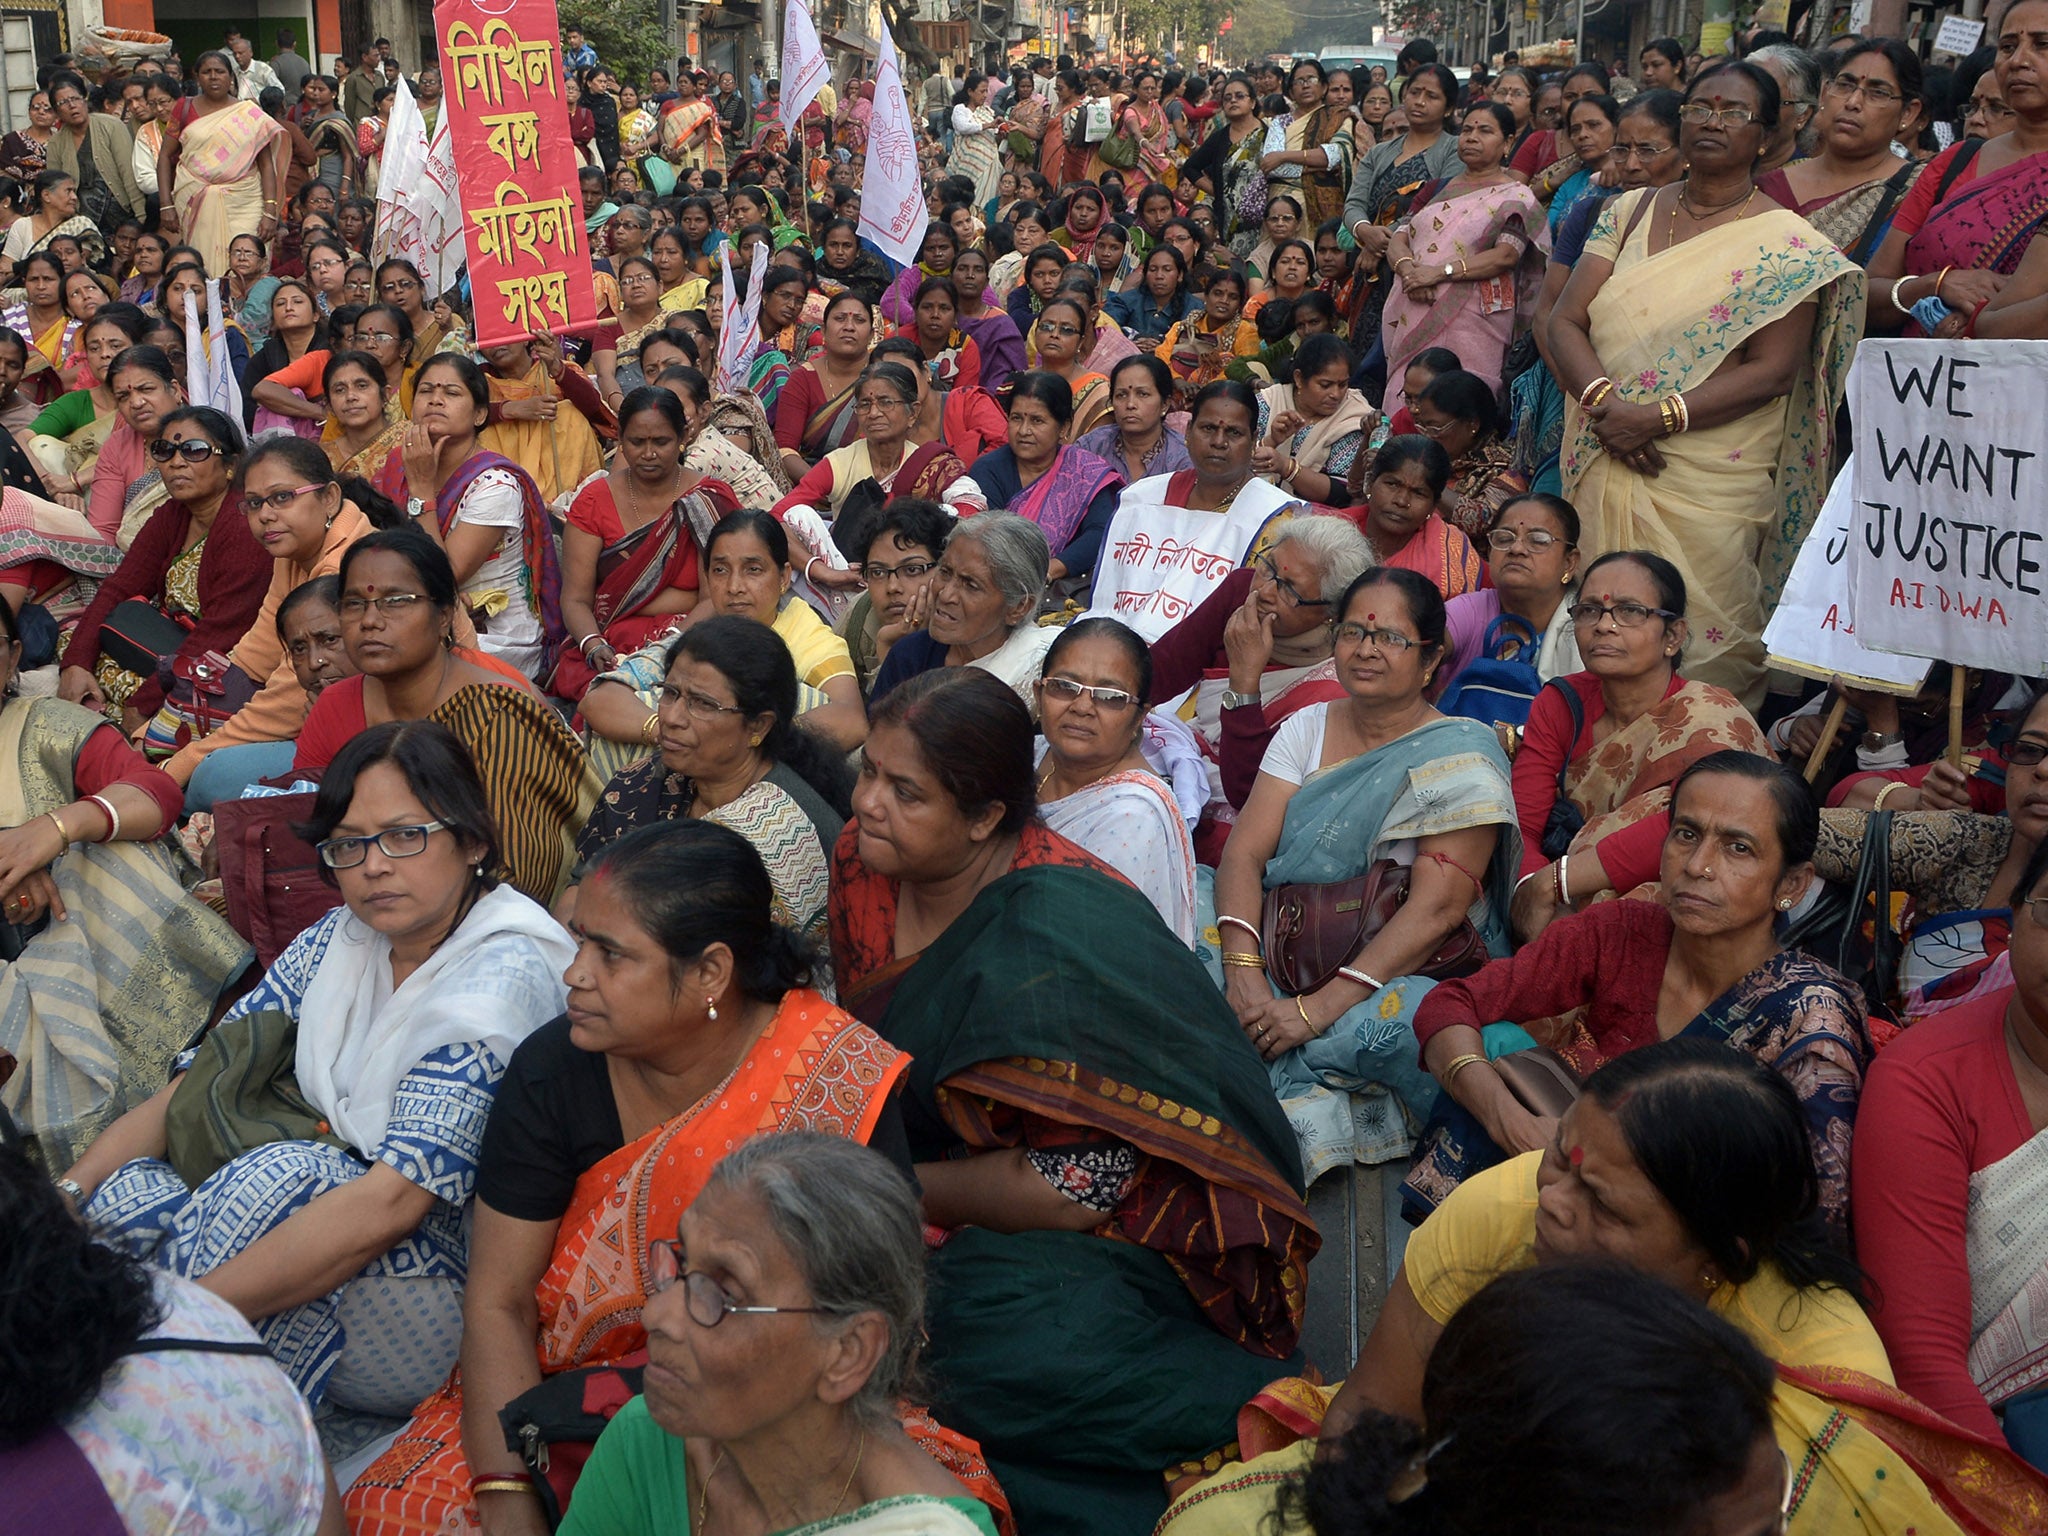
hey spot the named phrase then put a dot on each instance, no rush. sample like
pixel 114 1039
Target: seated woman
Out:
pixel 544 415
pixel 730 440
pixel 117 1428
pixel 1056 345
pixel 847 266
pixel 1948 1221
pixel 896 564
pixel 1069 492
pixel 1312 430
pixel 1705 961
pixel 951 905
pixel 934 259
pixel 1459 413
pixel 633 547
pixel 785 339
pixel 983 597
pixel 398 616
pixel 364 422
pixel 1345 786
pixel 116 968
pixel 1136 439
pixel 66 436
pixel 1402 521
pixel 1613 759
pixel 1640 1173
pixel 1532 560
pixel 731 751
pixel 782 1201
pixel 993 331
pixel 968 421
pixel 296 511
pixel 694 1024
pixel 1590 1391
pixel 1959 869
pixel 1198 349
pixel 487 513
pixel 1038 283
pixel 1257 649
pixel 814 414
pixel 949 352
pixel 296 328
pixel 1095 786
pixel 202 571
pixel 406 1003
pixel 1291 269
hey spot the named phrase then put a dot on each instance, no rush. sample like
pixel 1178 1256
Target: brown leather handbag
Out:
pixel 1313 930
pixel 1542 1081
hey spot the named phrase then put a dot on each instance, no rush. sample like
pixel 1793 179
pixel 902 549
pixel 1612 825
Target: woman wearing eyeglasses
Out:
pixel 398 612
pixel 1592 783
pixel 1532 561
pixel 1709 443
pixel 193 566
pixel 1094 785
pixel 1850 188
pixel 349 1248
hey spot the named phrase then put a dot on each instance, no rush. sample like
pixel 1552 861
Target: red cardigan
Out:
pixel 1630 856
pixel 1939 1104
pixel 234 575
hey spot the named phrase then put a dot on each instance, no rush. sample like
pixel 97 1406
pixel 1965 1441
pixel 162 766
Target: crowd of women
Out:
pixel 921 846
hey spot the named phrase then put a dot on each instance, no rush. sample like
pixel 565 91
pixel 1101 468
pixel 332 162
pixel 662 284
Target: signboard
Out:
pixel 1158 562
pixel 1946 553
pixel 522 209
pixel 1958 35
pixel 1811 632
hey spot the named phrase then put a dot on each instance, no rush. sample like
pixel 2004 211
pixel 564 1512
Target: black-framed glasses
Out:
pixel 1626 615
pixel 277 501
pixel 1068 690
pixel 193 450
pixel 703 1297
pixel 392 842
pixel 701 706
pixel 1267 568
pixel 391 604
pixel 2026 754
pixel 1391 641
pixel 1844 86
pixel 909 570
pixel 1538 539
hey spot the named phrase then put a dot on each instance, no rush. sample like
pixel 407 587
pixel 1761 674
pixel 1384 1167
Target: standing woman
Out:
pixel 814 413
pixel 25 152
pixel 1710 448
pixel 1515 89
pixel 331 134
pixel 1388 178
pixel 216 164
pixel 1226 167
pixel 1467 260
pixel 975 155
pixel 1310 148
pixel 634 543
pixel 486 512
pixel 1852 186
pixel 1145 119
pixel 1589 125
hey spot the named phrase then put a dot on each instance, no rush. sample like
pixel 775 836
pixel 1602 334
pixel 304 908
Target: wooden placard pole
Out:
pixel 1829 729
pixel 1955 715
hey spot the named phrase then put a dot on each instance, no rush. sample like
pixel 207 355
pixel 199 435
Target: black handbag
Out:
pixel 554 1427
pixel 137 636
pixel 1850 926
pixel 1565 819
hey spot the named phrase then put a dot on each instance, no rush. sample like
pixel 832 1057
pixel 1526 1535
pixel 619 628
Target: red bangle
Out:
pixel 1970 325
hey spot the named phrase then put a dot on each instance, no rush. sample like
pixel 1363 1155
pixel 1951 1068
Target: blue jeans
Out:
pixel 223 775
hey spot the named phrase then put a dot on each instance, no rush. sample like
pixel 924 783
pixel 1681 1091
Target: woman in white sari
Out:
pixel 389 1021
pixel 1094 784
pixel 216 161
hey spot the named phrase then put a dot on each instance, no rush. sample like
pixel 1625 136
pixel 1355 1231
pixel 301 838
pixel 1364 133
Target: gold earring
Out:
pixel 711 1009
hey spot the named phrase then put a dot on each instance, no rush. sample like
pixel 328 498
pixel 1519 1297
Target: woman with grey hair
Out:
pixel 1798 74
pixel 979 607
pixel 783 1326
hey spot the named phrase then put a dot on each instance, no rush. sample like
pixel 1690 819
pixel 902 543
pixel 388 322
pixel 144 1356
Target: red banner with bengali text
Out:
pixel 522 208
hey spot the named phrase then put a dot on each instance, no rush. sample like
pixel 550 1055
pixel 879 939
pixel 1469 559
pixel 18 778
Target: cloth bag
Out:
pixel 241 1091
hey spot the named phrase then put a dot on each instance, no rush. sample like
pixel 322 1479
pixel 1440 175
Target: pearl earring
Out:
pixel 1785 906
pixel 711 1009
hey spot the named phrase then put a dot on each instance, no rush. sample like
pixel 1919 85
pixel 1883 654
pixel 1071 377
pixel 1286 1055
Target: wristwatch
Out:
pixel 414 506
pixel 1874 742
pixel 1232 699
pixel 1450 270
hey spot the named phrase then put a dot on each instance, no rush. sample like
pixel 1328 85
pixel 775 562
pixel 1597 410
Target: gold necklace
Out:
pixel 704 1496
pixel 1678 202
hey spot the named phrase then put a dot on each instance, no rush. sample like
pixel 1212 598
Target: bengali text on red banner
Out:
pixel 522 208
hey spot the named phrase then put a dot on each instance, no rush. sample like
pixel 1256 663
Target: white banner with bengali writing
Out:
pixel 1158 562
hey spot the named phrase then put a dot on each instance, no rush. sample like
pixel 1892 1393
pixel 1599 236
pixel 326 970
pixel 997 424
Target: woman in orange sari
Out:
pixel 692 1026
pixel 1402 520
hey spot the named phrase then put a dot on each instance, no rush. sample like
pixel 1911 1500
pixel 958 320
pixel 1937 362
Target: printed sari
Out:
pixel 1477 321
pixel 55 552
pixel 1734 502
pixel 96 1006
pixel 1087 1364
pixel 541 569
pixel 537 780
pixel 1154 132
pixel 2009 1291
pixel 1986 223
pixel 678 122
pixel 219 191
pixel 1058 499
pixel 831 426
pixel 1856 220
pixel 815 1069
pixel 1443 554
pixel 1322 192
pixel 1241 192
pixel 382 452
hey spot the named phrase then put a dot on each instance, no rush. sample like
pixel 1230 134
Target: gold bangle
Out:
pixel 1457 1065
pixel 62 831
pixel 1887 792
pixel 500 1485
pixel 649 727
pixel 1301 1007
pixel 1242 957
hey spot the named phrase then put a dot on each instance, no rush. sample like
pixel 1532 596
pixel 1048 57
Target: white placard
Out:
pixel 1158 562
pixel 1958 35
pixel 1946 553
pixel 1811 633
pixel 1859 17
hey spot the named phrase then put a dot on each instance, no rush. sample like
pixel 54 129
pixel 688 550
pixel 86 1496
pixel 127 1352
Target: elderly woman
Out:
pixel 1722 476
pixel 951 904
pixel 1951 1151
pixel 1095 785
pixel 1706 961
pixel 1798 76
pixel 1532 561
pixel 1403 521
pixel 731 751
pixel 1069 492
pixel 1604 746
pixel 1311 430
pixel 1850 189
pixel 1344 788
pixel 984 593
pixel 693 1024
pixel 405 1003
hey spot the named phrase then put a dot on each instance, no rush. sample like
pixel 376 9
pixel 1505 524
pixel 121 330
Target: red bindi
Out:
pixel 1578 1157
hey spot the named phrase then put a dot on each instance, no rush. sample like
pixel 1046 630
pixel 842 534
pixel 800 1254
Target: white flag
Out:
pixel 209 374
pixel 740 337
pixel 419 209
pixel 804 70
pixel 892 207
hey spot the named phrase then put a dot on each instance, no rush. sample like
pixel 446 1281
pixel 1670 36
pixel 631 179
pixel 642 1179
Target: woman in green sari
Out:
pixel 1126 1242
pixel 109 969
